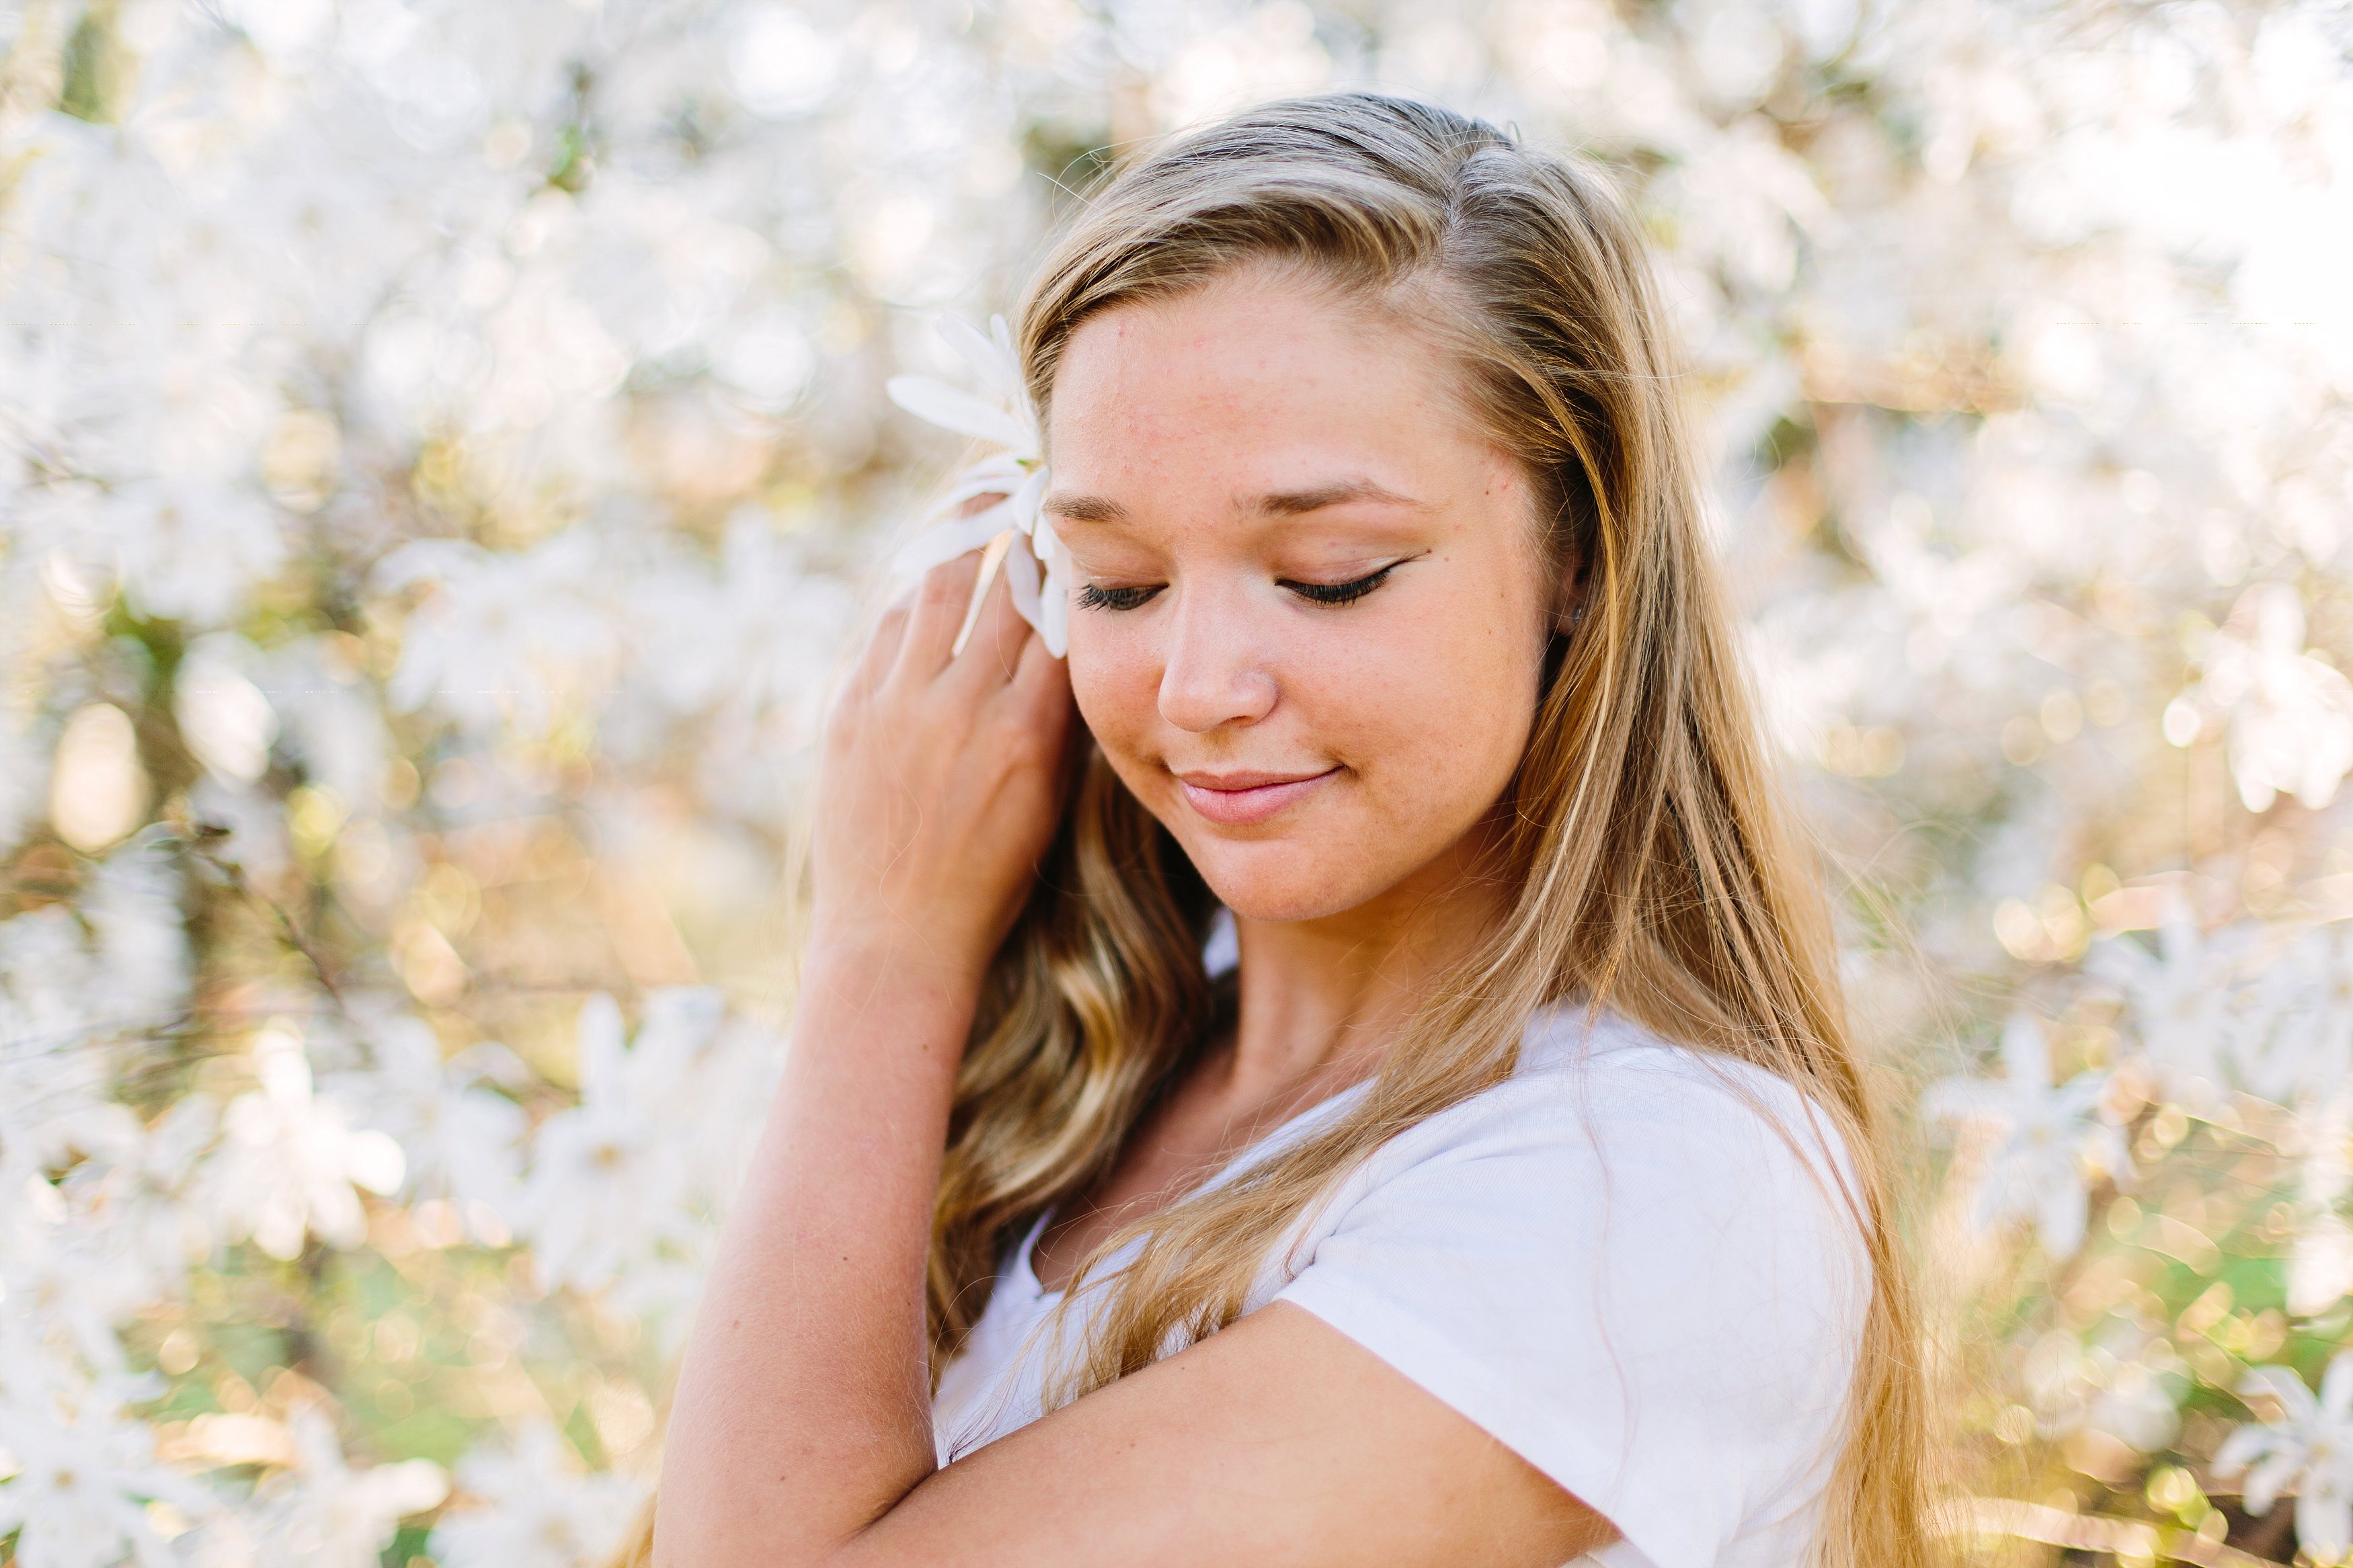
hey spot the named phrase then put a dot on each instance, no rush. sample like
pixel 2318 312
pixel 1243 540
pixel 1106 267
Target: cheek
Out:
pixel 1114 680
pixel 1441 712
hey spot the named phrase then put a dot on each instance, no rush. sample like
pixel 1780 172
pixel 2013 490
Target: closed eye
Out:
pixel 1339 593
pixel 1093 598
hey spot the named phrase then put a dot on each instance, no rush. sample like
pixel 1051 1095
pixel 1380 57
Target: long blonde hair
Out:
pixel 1654 867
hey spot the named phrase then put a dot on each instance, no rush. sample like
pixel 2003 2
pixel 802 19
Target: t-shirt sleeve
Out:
pixel 1624 1273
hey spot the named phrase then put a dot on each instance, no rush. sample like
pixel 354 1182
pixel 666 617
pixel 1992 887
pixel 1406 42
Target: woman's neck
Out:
pixel 1322 1000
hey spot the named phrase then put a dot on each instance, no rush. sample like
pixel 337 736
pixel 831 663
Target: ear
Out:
pixel 1568 598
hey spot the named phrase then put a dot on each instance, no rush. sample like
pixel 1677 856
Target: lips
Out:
pixel 1242 796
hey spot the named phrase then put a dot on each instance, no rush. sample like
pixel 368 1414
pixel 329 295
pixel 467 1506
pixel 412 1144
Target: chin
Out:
pixel 1275 883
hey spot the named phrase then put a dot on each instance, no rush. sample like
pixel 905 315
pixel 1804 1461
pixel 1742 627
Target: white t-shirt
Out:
pixel 1617 1262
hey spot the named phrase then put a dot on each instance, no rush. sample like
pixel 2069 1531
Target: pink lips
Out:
pixel 1242 797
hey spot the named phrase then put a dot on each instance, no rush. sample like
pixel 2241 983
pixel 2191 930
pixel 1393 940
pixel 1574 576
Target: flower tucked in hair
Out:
pixel 1036 566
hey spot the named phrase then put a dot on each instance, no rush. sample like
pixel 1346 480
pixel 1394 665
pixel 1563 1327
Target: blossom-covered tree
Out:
pixel 447 448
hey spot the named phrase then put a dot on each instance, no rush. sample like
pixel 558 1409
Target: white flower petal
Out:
pixel 991 360
pixel 1054 623
pixel 1966 1099
pixel 1021 579
pixel 604 1039
pixel 943 405
pixel 2103 1148
pixel 2268 1481
pixel 2336 1385
pixel 2025 1058
pixel 1001 475
pixel 1026 501
pixel 2296 1403
pixel 2059 1218
pixel 2241 1448
pixel 376 1162
pixel 2324 1524
pixel 949 540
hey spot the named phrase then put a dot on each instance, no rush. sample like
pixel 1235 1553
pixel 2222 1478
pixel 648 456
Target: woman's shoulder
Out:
pixel 1612 1150
pixel 1631 1263
pixel 1593 1085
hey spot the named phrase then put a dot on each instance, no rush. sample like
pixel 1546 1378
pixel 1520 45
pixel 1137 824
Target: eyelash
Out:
pixel 1339 593
pixel 1093 598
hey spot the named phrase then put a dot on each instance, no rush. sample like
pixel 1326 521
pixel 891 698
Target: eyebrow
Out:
pixel 1279 503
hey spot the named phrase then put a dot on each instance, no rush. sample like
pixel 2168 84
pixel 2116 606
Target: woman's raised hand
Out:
pixel 940 781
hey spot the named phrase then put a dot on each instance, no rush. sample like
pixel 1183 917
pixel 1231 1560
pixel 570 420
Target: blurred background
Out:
pixel 443 453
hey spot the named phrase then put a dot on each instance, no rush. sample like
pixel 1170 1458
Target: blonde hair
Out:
pixel 1653 866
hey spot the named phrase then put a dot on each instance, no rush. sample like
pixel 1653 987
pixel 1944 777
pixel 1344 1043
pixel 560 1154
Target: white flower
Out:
pixel 742 633
pixel 2125 1384
pixel 333 724
pixel 503 635
pixel 530 1505
pixel 291 1160
pixel 191 547
pixel 147 1203
pixel 2320 1266
pixel 74 1289
pixel 614 1179
pixel 1037 567
pixel 626 1189
pixel 133 907
pixel 325 1514
pixel 2290 715
pixel 2296 1035
pixel 84 1474
pixel 459 1140
pixel 2179 999
pixel 2050 1135
pixel 2308 1447
pixel 222 715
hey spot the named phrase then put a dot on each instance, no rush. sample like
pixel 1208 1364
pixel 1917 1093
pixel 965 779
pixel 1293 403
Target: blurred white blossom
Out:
pixel 290 1164
pixel 2127 1383
pixel 611 1181
pixel 1036 566
pixel 2049 1137
pixel 84 1472
pixel 530 1503
pixel 2307 1448
pixel 2180 998
pixel 2291 715
pixel 323 1513
pixel 447 448
pixel 459 1139
pixel 223 716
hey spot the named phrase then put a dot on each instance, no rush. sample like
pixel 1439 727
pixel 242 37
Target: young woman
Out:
pixel 1517 1195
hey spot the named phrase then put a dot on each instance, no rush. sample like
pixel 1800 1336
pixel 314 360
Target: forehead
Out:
pixel 1259 378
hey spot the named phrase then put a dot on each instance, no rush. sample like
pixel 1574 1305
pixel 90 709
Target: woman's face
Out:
pixel 1311 611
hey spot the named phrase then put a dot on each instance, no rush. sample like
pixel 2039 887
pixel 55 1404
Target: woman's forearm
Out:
pixel 803 1406
pixel 803 1410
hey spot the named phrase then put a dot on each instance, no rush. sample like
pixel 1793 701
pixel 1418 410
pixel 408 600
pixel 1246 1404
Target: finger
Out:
pixel 882 650
pixel 991 559
pixel 939 610
pixel 1039 676
pixel 993 651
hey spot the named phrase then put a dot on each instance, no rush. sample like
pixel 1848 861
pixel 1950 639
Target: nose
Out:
pixel 1214 671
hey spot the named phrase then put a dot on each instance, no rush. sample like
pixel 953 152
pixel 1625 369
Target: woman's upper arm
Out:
pixel 1278 1441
